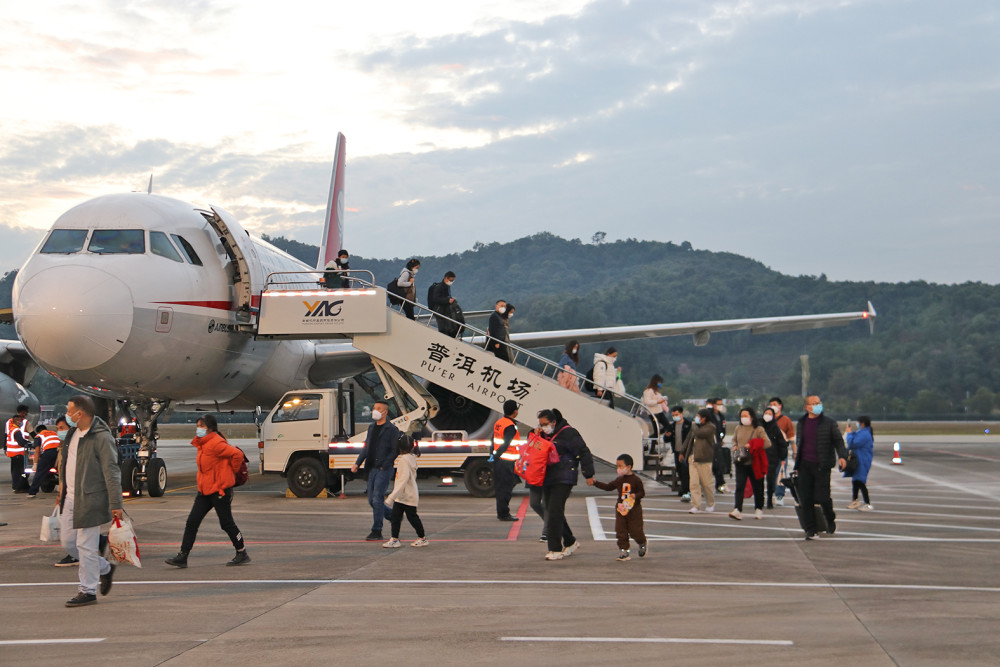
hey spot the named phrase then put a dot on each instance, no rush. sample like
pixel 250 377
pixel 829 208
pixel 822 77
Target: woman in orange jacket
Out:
pixel 218 462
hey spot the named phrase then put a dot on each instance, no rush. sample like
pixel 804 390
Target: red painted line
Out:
pixel 515 528
pixel 217 305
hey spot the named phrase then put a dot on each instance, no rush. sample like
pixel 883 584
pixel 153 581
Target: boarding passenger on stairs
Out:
pixel 407 280
pixel 440 300
pixel 819 444
pixel 568 363
pixel 656 406
pixel 497 332
pixel 334 276
pixel 507 314
pixel 503 457
pixel 379 457
pixel 607 378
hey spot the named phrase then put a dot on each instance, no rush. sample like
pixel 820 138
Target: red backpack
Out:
pixel 536 455
pixel 243 474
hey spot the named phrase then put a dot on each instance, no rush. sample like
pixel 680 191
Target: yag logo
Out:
pixel 323 308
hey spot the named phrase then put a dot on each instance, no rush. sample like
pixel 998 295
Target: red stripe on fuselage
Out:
pixel 217 305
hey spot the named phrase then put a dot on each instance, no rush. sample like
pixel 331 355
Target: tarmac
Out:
pixel 914 582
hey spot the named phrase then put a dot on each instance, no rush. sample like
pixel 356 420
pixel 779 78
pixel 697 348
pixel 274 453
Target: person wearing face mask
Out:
pixel 776 454
pixel 751 438
pixel 818 446
pixel 48 452
pixel 507 316
pixel 407 281
pixel 607 378
pixel 497 331
pixel 656 406
pixel 698 451
pixel 568 363
pixel 18 442
pixel 218 462
pixel 334 274
pixel 379 458
pixel 788 430
pixel 628 514
pixel 441 301
pixel 560 478
pixel 676 433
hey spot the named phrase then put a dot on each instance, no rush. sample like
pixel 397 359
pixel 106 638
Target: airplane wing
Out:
pixel 336 360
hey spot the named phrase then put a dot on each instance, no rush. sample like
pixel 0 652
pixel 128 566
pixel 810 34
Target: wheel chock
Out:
pixel 289 494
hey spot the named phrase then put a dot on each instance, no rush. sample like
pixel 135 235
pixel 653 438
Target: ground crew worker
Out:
pixel 503 457
pixel 17 437
pixel 49 446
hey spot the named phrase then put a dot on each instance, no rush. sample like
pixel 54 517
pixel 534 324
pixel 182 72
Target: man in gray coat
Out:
pixel 90 493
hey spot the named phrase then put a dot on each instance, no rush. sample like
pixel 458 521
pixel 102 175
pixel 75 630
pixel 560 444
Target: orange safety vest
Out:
pixel 14 448
pixel 49 440
pixel 511 453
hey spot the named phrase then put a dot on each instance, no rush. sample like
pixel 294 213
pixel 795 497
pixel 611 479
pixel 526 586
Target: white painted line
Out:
pixel 933 480
pixel 653 640
pixel 24 642
pixel 595 521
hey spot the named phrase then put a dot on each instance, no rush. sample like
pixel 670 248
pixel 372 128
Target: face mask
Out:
pixel 677 418
pixel 697 420
pixel 548 429
pixel 818 409
pixel 768 418
pixel 659 384
pixel 61 435
pixel 415 271
pixel 201 431
pixel 622 472
pixel 576 350
pixel 502 310
pixel 450 284
pixel 776 409
pixel 746 421
pixel 376 415
pixel 510 316
pixel 70 421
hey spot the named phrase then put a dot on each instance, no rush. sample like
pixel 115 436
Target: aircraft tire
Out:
pixel 306 477
pixel 156 477
pixel 130 477
pixel 479 478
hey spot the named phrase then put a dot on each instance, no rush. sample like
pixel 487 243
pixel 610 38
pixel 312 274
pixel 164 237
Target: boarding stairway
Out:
pixel 459 364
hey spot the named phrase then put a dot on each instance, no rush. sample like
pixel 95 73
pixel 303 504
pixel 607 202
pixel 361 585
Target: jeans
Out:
pixel 83 544
pixel 814 489
pixel 503 482
pixel 46 460
pixel 378 484
pixel 396 519
pixel 223 506
pixel 556 529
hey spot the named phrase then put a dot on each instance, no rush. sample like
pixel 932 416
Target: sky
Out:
pixel 855 138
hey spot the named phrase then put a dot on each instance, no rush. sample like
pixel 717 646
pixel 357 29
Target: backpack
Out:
pixel 243 474
pixel 395 292
pixel 431 301
pixel 588 384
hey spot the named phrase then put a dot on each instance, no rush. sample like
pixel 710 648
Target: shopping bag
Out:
pixel 123 547
pixel 50 527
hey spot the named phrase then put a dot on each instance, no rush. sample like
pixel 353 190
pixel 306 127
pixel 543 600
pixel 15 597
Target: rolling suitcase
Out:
pixel 791 483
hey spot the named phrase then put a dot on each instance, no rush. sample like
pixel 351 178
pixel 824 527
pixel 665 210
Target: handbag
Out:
pixel 50 527
pixel 741 455
pixel 851 466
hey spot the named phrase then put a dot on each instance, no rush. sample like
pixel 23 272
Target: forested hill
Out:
pixel 934 352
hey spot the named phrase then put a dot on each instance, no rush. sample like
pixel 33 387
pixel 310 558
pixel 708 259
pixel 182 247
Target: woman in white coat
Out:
pixel 404 496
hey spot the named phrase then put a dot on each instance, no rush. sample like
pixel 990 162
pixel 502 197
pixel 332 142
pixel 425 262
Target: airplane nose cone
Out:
pixel 73 318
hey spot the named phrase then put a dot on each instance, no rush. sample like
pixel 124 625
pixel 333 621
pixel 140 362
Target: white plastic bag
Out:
pixel 50 527
pixel 123 547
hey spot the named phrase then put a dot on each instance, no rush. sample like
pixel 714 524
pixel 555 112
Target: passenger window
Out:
pixel 64 241
pixel 117 242
pixel 298 408
pixel 188 251
pixel 160 245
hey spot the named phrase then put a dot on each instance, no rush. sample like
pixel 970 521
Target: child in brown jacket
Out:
pixel 628 511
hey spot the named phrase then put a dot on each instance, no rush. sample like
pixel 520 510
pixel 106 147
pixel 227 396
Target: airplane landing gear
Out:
pixel 137 448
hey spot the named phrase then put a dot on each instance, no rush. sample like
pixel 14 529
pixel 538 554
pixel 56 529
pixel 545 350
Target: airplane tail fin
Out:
pixel 333 232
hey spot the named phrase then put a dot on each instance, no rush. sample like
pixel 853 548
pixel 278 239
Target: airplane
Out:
pixel 143 300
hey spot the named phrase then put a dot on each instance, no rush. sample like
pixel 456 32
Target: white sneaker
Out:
pixel 393 543
pixel 867 508
pixel 736 514
pixel 722 489
pixel 693 510
pixel 780 501
pixel 686 498
pixel 568 551
pixel 758 514
pixel 854 504
pixel 422 542
pixel 710 509
pixel 554 555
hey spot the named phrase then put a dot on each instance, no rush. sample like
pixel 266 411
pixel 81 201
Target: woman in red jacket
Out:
pixel 218 462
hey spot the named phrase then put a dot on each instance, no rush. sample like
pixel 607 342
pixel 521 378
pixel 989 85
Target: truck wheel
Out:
pixel 479 478
pixel 306 477
pixel 156 477
pixel 130 477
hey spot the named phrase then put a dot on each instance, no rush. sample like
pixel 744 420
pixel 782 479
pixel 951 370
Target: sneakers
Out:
pixel 543 538
pixel 568 551
pixel 736 514
pixel 241 558
pixel 374 536
pixel 866 508
pixel 180 560
pixel 710 509
pixel 812 536
pixel 686 498
pixel 107 578
pixel 722 489
pixel 82 600
pixel 554 555
pixel 422 542
pixel 694 510
pixel 642 550
pixel 854 504
pixel 393 543
pixel 67 561
pixel 623 555
pixel 780 502
pixel 758 514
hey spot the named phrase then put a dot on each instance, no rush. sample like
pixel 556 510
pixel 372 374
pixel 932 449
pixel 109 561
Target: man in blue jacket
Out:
pixel 379 457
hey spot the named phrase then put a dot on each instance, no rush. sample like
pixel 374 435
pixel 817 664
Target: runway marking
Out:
pixel 596 529
pixel 515 528
pixel 535 582
pixel 934 480
pixel 23 642
pixel 653 640
pixel 992 459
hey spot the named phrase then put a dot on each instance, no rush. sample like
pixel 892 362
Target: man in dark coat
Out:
pixel 379 458
pixel 498 332
pixel 818 446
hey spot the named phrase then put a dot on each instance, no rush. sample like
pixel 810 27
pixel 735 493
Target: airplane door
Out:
pixel 248 277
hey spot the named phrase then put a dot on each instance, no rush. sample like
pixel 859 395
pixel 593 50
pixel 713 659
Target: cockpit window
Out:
pixel 188 251
pixel 118 242
pixel 160 245
pixel 64 241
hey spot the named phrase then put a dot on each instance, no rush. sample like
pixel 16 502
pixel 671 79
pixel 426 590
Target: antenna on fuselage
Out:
pixel 149 189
